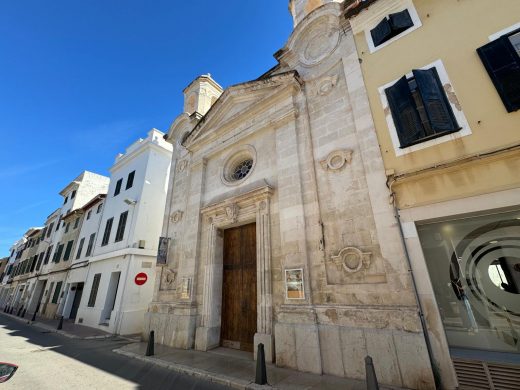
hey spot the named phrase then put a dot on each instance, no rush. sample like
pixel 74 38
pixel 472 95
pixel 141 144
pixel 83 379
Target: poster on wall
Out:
pixel 162 251
pixel 186 288
pixel 294 284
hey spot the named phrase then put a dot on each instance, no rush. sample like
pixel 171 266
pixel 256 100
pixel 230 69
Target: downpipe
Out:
pixel 427 340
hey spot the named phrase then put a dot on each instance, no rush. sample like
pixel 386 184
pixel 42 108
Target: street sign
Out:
pixel 140 278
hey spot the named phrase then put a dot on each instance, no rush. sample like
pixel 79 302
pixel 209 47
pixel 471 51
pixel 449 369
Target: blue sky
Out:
pixel 81 80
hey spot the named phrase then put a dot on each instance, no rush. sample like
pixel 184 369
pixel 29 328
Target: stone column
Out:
pixel 263 281
pixel 208 333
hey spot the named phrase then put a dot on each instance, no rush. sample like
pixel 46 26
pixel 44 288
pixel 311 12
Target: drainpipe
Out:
pixel 427 340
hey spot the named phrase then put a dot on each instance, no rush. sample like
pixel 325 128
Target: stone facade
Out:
pixel 316 191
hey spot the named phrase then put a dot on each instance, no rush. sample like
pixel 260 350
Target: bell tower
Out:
pixel 299 9
pixel 200 95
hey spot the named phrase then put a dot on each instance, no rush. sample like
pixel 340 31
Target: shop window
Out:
pixel 474 267
pixel 501 58
pixel 420 108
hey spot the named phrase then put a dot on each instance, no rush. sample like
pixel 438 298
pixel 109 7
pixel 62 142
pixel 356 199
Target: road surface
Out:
pixel 48 360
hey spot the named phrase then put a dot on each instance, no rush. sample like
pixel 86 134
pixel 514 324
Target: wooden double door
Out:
pixel 238 325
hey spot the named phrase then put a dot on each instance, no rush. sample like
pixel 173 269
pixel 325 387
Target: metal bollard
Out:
pixel 60 324
pixel 261 369
pixel 23 313
pixel 371 374
pixel 151 342
pixel 19 311
pixel 11 312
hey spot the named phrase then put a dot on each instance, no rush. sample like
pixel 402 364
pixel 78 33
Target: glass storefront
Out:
pixel 474 266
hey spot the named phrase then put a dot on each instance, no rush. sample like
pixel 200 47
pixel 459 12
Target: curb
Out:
pixel 51 329
pixel 198 373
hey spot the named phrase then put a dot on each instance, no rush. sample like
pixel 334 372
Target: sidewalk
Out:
pixel 236 370
pixel 69 329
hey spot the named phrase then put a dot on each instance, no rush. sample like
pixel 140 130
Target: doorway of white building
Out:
pixel 75 292
pixel 110 300
pixel 34 306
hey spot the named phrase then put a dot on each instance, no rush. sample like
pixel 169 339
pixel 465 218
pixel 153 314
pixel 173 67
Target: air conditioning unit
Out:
pixel 142 244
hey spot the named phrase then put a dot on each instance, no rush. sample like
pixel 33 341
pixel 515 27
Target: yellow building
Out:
pixel 443 81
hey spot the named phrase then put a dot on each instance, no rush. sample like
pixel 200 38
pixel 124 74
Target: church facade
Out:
pixel 278 227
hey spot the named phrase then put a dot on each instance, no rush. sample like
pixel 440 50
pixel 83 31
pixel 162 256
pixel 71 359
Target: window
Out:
pixel 118 187
pixel 68 250
pixel 76 223
pixel 33 263
pixel 80 248
pixel 67 226
pixel 51 226
pixel 121 226
pixel 94 290
pixel 90 244
pixel 99 208
pixel 501 58
pixel 65 200
pixel 473 263
pixel 57 291
pixel 73 194
pixel 89 214
pixel 238 165
pixel 47 255
pixel 40 260
pixel 420 108
pixel 108 228
pixel 57 254
pixel 391 26
pixel 130 180
pixel 58 225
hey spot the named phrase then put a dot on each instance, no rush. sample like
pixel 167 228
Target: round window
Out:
pixel 239 165
pixel 242 169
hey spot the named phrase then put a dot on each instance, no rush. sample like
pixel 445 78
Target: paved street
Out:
pixel 52 361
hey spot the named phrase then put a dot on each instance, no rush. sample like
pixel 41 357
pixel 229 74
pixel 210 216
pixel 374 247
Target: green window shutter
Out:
pixel 130 180
pixel 57 291
pixel 80 248
pixel 68 250
pixel 503 66
pixel 404 112
pixel 400 21
pixel 381 33
pixel 94 290
pixel 436 104
pixel 121 226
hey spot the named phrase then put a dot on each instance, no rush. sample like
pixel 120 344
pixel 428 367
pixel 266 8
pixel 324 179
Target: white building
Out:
pixel 57 245
pixel 126 244
pixel 83 250
pixel 6 283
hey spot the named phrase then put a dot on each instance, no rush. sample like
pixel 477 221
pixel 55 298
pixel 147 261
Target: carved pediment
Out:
pixel 241 102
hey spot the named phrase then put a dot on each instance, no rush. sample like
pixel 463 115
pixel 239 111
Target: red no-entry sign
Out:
pixel 140 278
